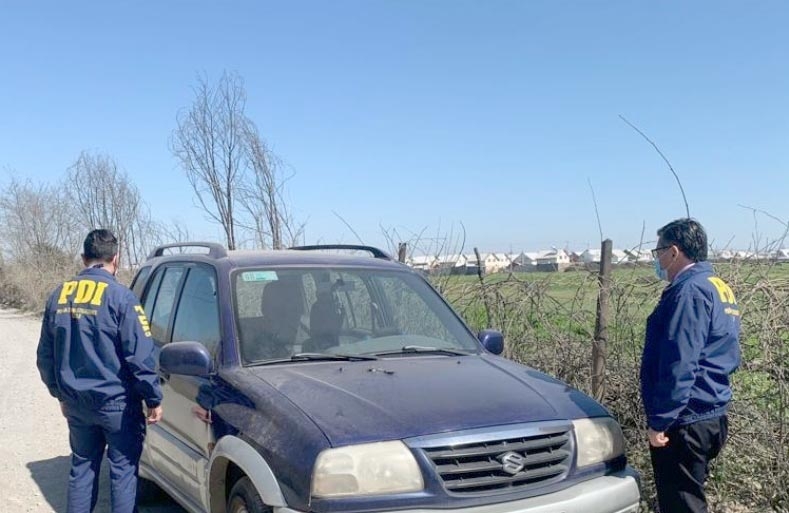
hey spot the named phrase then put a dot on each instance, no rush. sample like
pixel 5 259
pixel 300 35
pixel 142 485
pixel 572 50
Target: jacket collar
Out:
pixel 697 268
pixel 96 271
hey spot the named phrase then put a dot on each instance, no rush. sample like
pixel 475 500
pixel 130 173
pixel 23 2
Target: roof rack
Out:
pixel 377 253
pixel 215 250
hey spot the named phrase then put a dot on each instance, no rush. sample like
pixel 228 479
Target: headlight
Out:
pixel 598 440
pixel 366 469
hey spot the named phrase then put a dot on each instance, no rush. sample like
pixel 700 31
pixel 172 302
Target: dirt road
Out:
pixel 34 453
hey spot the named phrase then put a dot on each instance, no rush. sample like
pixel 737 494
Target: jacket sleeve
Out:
pixel 678 358
pixel 139 351
pixel 45 354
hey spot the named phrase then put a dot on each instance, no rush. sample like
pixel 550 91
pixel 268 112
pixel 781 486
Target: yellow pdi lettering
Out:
pixel 724 291
pixel 82 291
pixel 100 287
pixel 68 289
pixel 85 291
pixel 146 328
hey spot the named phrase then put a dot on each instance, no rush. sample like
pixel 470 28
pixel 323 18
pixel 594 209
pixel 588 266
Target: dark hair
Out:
pixel 688 235
pixel 101 245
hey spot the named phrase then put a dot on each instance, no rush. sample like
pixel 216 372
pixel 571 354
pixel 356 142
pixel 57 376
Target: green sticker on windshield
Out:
pixel 259 276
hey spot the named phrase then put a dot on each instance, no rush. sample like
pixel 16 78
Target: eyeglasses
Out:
pixel 656 251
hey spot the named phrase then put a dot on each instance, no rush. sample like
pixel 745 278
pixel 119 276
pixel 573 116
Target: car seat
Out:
pixel 326 318
pixel 273 334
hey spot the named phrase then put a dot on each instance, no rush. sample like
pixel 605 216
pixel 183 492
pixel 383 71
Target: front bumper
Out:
pixel 615 493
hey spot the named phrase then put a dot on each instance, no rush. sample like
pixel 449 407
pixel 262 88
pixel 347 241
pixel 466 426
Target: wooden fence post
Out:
pixel 601 324
pixel 480 275
pixel 401 252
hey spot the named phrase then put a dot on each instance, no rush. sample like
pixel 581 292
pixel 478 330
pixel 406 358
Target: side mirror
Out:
pixel 186 358
pixel 492 341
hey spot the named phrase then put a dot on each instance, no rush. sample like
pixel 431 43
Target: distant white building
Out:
pixel 424 263
pixel 742 254
pixel 553 260
pixel 503 262
pixel 721 254
pixel 453 264
pixel 523 261
pixel 593 256
pixel 493 262
pixel 638 256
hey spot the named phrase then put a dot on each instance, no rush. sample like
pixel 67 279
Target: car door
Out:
pixel 159 300
pixel 182 305
pixel 196 319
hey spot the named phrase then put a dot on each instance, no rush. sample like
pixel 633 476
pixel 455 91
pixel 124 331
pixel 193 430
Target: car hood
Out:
pixel 396 398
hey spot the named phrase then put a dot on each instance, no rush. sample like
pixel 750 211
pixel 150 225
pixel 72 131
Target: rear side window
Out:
pixel 160 300
pixel 139 281
pixel 197 318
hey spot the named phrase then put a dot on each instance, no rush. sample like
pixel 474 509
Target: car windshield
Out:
pixel 287 312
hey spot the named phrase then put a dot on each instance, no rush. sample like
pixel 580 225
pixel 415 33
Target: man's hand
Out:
pixel 657 438
pixel 202 414
pixel 154 415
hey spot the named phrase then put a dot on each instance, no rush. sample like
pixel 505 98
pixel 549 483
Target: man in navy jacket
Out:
pixel 96 356
pixel 691 348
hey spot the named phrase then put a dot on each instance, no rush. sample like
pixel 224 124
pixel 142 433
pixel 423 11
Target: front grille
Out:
pixel 511 464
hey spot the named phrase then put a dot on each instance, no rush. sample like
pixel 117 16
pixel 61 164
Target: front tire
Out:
pixel 244 498
pixel 148 491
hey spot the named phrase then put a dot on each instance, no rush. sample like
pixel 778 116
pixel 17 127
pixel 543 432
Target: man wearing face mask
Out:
pixel 691 348
pixel 96 356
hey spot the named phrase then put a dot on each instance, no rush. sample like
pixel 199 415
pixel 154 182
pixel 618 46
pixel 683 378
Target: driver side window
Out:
pixel 197 317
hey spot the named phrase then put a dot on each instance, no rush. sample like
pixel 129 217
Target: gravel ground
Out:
pixel 35 455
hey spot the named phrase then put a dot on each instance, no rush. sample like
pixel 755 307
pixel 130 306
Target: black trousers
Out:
pixel 682 467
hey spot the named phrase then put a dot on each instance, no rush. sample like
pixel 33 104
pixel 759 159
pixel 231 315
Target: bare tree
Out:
pixel 235 177
pixel 175 231
pixel 104 197
pixel 261 195
pixel 209 143
pixel 35 220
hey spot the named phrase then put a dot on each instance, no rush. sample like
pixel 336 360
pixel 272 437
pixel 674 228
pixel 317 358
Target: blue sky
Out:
pixel 425 116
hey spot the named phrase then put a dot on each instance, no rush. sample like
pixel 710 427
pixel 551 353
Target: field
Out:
pixel 548 320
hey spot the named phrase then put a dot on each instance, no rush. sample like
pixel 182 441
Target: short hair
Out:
pixel 100 244
pixel 687 234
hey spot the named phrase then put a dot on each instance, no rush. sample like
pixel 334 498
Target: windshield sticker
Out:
pixel 259 276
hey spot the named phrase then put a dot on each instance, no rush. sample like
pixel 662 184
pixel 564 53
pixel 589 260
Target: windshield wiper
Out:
pixel 425 349
pixel 316 357
pixel 331 356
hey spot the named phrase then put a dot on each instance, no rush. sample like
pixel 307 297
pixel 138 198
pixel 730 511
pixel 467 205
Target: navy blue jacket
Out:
pixel 691 348
pixel 95 346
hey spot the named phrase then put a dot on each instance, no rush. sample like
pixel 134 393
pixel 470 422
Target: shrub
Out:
pixel 548 320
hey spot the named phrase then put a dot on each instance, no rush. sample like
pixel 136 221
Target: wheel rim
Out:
pixel 238 505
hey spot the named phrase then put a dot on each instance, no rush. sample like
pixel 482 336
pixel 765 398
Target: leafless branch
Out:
pixel 347 225
pixel 671 168
pixel 596 209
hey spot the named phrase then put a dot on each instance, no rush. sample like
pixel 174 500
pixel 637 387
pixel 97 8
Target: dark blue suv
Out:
pixel 309 381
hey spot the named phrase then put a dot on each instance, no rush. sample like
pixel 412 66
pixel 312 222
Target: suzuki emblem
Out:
pixel 512 462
